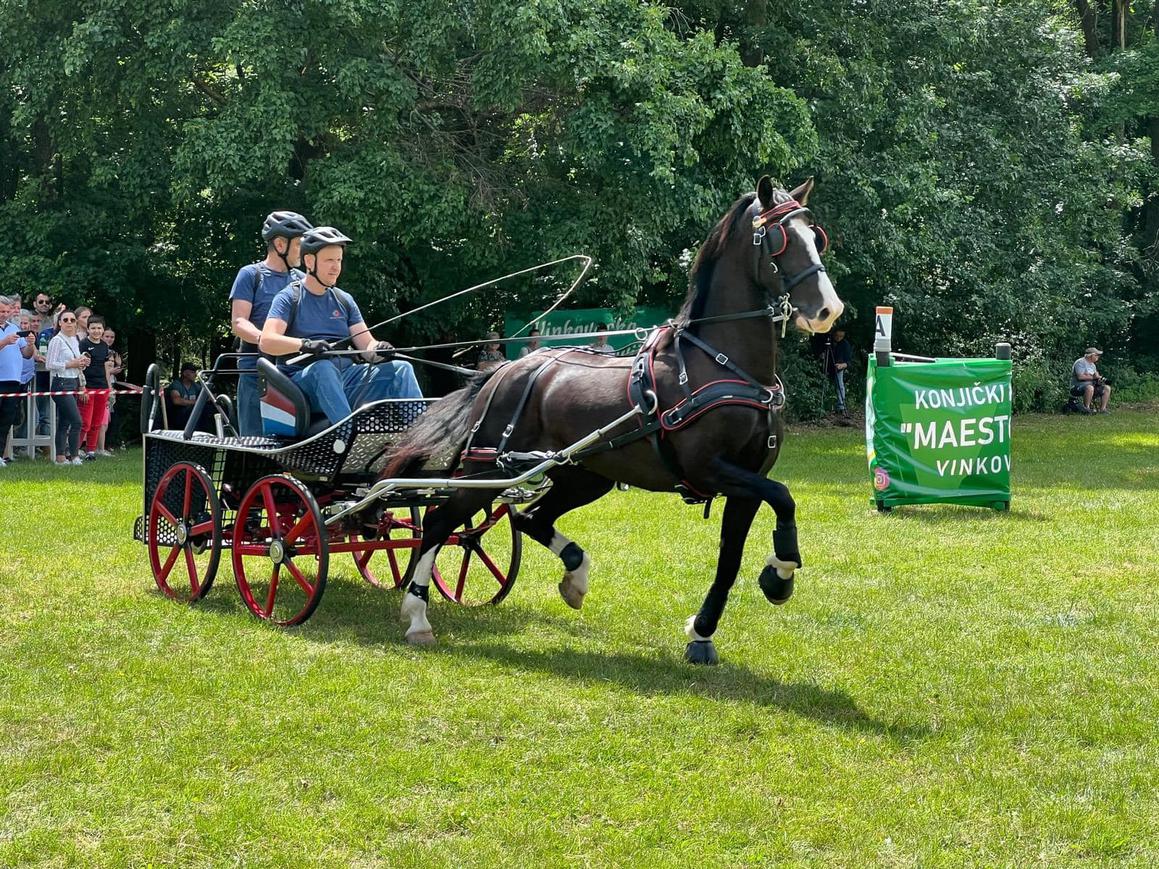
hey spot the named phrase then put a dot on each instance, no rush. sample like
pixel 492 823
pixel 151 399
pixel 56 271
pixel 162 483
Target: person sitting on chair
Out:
pixel 1086 382
pixel 310 316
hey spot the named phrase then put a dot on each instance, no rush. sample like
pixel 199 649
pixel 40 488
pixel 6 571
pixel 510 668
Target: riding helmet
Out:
pixel 320 237
pixel 285 224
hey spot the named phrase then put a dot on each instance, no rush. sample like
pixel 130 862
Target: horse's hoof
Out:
pixel 777 589
pixel 421 638
pixel 701 652
pixel 572 596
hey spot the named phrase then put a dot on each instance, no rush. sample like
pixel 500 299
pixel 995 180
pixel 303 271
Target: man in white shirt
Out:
pixel 1086 382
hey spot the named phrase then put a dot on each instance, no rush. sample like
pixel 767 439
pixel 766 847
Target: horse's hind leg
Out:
pixel 440 523
pixel 571 488
pixel 734 528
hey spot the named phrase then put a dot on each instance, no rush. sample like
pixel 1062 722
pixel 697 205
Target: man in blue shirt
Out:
pixel 13 351
pixel 311 315
pixel 253 290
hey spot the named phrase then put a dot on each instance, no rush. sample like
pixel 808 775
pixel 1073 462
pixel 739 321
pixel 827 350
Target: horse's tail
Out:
pixel 443 427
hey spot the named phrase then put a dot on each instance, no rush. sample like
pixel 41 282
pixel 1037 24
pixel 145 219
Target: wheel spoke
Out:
pixel 463 568
pixel 273 590
pixel 494 568
pixel 169 562
pixel 299 526
pixel 297 574
pixel 188 495
pixel 201 528
pixel 271 509
pixel 394 566
pixel 165 514
pixel 194 585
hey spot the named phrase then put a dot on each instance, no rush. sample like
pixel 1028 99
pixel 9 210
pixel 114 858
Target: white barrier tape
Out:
pixel 79 392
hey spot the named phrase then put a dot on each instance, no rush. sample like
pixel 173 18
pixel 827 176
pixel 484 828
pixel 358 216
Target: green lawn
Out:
pixel 948 686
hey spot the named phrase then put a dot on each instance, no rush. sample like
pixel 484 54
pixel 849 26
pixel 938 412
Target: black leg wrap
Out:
pixel 422 592
pixel 571 556
pixel 785 542
pixel 777 590
pixel 701 652
pixel 704 626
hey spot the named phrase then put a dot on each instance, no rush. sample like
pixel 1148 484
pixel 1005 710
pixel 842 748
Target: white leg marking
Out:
pixel 414 609
pixel 784 568
pixel 574 584
pixel 690 630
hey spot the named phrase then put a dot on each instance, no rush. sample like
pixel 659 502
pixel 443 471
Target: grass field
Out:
pixel 948 686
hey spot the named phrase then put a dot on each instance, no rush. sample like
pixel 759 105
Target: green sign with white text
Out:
pixel 939 432
pixel 557 326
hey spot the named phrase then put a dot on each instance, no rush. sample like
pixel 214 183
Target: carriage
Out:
pixel 283 508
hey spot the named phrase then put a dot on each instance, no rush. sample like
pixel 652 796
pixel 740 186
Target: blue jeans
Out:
pixel 839 379
pixel 249 406
pixel 334 391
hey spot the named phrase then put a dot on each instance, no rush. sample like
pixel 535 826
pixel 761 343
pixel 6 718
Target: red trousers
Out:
pixel 91 414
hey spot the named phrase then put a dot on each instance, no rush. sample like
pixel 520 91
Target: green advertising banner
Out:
pixel 558 325
pixel 939 432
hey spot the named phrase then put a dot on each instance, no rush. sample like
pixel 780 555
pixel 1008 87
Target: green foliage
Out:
pixel 975 168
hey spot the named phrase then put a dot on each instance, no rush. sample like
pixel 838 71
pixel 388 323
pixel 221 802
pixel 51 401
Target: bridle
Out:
pixel 771 239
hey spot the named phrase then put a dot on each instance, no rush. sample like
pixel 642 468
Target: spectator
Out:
pixel 66 365
pixel 1086 382
pixel 43 377
pixel 42 305
pixel 307 316
pixel 490 357
pixel 253 292
pixel 600 344
pixel 182 395
pixel 13 351
pixel 97 384
pixel 83 313
pixel 27 373
pixel 532 345
pixel 115 368
pixel 840 357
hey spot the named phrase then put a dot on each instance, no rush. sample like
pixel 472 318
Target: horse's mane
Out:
pixel 710 252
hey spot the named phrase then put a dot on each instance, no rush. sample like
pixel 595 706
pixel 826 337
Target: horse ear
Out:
pixel 801 194
pixel 765 192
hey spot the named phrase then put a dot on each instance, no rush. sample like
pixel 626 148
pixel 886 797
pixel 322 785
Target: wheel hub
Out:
pixel 277 552
pixel 182 533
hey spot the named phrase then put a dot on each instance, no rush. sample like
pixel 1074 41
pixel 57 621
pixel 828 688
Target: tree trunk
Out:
pixel 1119 24
pixel 1089 21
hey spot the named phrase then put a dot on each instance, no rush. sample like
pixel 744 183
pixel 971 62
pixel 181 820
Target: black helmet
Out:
pixel 320 237
pixel 285 224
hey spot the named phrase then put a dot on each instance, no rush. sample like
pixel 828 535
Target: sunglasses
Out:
pixel 44 301
pixel 68 319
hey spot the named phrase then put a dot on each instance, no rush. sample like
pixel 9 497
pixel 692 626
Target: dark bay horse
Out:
pixel 718 428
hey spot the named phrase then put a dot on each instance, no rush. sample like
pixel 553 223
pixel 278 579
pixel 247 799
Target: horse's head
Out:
pixel 787 247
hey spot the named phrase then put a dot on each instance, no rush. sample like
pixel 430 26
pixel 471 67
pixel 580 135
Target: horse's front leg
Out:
pixel 734 528
pixel 776 579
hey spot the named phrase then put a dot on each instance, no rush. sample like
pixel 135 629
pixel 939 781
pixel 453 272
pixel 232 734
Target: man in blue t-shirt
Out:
pixel 320 315
pixel 253 291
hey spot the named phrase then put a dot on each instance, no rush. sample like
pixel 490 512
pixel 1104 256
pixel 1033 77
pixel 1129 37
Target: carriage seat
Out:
pixel 285 409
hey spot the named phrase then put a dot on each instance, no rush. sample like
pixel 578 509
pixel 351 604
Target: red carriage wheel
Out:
pixel 280 551
pixel 480 561
pixel 394 527
pixel 184 532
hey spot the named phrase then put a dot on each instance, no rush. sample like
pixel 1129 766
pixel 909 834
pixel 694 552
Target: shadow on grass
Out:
pixel 732 683
pixel 351 612
pixel 951 514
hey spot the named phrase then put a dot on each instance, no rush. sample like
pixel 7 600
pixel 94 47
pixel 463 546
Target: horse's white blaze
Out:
pixel 414 609
pixel 690 630
pixel 802 233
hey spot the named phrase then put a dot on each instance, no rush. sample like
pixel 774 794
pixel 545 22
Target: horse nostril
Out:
pixel 823 314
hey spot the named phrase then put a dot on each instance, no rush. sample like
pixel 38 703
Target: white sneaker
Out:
pixel 77 461
pixel 3 464
pixel 105 453
pixel 62 462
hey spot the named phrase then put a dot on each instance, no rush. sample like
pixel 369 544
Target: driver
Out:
pixel 309 316
pixel 253 290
